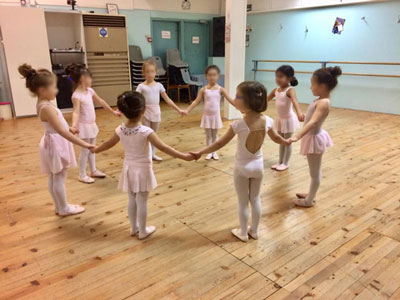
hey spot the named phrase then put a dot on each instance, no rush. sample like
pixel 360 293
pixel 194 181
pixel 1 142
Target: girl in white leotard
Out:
pixel 251 100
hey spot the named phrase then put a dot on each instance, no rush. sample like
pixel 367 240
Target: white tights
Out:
pixel 314 164
pixel 57 190
pixel 86 156
pixel 137 211
pixel 285 151
pixel 154 126
pixel 248 190
pixel 211 135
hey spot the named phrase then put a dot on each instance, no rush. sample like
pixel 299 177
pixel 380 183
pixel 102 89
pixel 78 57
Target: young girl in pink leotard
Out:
pixel 56 152
pixel 84 118
pixel 251 100
pixel 137 177
pixel 286 122
pixel 151 91
pixel 212 94
pixel 315 140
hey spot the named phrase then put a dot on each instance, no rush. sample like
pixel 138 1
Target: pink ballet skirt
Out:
pixel 55 153
pixel 315 143
pixel 153 113
pixel 212 121
pixel 286 125
pixel 137 177
pixel 88 130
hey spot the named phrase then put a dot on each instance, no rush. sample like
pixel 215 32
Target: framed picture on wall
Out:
pixel 112 9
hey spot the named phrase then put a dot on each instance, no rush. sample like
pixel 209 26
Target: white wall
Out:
pixel 275 5
pixel 198 6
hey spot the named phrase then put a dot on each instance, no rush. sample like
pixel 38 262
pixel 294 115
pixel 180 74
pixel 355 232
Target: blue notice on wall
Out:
pixel 103 32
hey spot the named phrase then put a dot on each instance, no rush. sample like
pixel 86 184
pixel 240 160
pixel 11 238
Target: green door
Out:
pixel 195 43
pixel 165 35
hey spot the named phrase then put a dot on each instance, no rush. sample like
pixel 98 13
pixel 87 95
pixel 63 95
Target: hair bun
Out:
pixel 294 81
pixel 335 71
pixel 26 71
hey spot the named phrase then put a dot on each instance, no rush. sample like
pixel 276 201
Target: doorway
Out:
pixel 196 46
pixel 165 36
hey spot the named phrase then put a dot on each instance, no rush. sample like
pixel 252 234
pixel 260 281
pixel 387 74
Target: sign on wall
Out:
pixel 195 40
pixel 165 34
pixel 103 32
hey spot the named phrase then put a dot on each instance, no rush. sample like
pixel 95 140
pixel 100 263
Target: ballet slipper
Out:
pixel 282 167
pixel 209 156
pixel 157 158
pixel 134 232
pixel 251 234
pixel 86 179
pixel 273 167
pixel 97 174
pixel 215 156
pixel 303 202
pixel 72 209
pixel 301 195
pixel 237 233
pixel 149 230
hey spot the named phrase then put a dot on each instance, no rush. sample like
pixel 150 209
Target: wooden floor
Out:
pixel 346 247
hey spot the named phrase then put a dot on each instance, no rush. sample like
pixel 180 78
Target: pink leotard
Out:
pixel 286 120
pixel 317 139
pixel 212 112
pixel 87 116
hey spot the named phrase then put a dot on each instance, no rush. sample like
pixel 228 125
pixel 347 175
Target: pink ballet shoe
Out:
pixel 149 230
pixel 97 174
pixel 209 156
pixel 134 232
pixel 273 167
pixel 87 180
pixel 157 158
pixel 72 209
pixel 215 156
pixel 251 234
pixel 237 232
pixel 301 195
pixel 302 202
pixel 282 167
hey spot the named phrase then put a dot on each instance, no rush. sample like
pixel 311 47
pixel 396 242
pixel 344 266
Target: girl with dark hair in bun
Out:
pixel 84 118
pixel 315 140
pixel 56 152
pixel 137 177
pixel 286 122
pixel 251 100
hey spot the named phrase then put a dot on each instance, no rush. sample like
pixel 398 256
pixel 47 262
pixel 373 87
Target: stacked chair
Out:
pixel 136 64
pixel 178 75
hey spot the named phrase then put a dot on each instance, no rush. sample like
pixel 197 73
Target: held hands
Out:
pixel 73 130
pixel 195 155
pixel 116 113
pixel 183 112
pixel 301 117
pixel 292 139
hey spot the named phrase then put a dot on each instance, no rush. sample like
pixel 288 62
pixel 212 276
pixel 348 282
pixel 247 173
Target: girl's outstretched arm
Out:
pixel 225 139
pixel 277 138
pixel 171 103
pixel 224 93
pixel 321 109
pixel 160 145
pixel 197 100
pixel 104 104
pixel 107 144
pixel 75 116
pixel 291 93
pixel 271 95
pixel 49 114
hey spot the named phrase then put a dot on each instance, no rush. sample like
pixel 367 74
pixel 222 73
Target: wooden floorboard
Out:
pixel 346 247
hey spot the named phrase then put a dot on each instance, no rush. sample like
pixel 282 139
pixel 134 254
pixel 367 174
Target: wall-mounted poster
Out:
pixel 112 9
pixel 195 40
pixel 165 34
pixel 338 27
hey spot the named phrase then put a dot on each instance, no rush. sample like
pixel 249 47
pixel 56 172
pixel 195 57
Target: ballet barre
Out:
pixel 324 64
